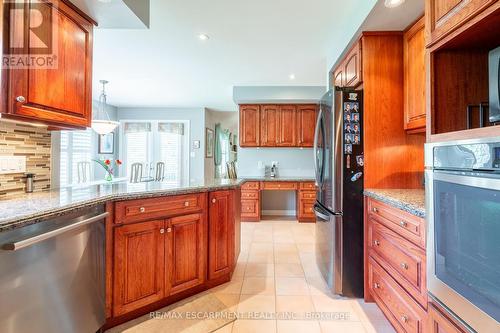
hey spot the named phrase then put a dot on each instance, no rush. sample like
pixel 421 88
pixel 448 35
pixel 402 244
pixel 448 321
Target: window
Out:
pixel 150 142
pixel 76 152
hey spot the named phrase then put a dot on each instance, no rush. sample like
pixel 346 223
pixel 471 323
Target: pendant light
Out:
pixel 103 125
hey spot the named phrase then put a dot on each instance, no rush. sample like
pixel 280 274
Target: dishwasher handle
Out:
pixel 21 244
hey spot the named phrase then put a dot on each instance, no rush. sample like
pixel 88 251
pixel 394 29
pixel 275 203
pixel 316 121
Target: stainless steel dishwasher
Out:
pixel 52 274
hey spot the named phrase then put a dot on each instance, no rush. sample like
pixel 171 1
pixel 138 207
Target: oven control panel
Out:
pixel 469 157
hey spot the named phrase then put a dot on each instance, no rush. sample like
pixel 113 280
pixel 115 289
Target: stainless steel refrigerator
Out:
pixel 339 163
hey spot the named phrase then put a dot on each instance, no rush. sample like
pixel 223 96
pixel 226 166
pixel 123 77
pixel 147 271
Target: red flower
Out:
pixel 118 162
pixel 107 162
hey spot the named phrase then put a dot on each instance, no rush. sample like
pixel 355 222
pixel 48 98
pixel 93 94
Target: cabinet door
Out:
pixel 249 125
pixel 221 234
pixel 439 323
pixel 269 125
pixel 186 252
pixel 414 77
pixel 287 126
pixel 306 120
pixel 60 95
pixel 352 66
pixel 138 265
pixel 445 16
pixel 338 76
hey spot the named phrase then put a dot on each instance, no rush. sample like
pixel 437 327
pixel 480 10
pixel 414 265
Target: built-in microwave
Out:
pixel 463 221
pixel 494 83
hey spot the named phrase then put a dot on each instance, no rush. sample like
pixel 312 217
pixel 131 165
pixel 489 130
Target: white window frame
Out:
pixel 185 171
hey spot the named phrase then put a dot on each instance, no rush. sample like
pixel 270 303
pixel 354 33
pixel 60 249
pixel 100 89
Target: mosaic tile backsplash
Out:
pixel 32 142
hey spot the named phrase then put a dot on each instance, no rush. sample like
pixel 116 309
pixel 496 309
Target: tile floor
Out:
pixel 276 287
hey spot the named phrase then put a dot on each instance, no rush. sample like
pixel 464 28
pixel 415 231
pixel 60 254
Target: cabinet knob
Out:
pixel 162 231
pixel 376 285
pixel 404 265
pixel 21 99
pixel 169 229
pixel 404 224
pixel 214 200
pixel 186 204
pixel 142 209
pixel 404 318
pixel 375 209
pixel 376 243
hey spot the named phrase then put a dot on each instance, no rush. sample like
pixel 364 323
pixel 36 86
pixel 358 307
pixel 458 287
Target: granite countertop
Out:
pixel 279 179
pixel 409 200
pixel 30 208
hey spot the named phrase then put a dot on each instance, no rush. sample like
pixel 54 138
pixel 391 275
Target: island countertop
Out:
pixel 30 208
pixel 409 200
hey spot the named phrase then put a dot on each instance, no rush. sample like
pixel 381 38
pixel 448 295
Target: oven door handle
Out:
pixel 485 182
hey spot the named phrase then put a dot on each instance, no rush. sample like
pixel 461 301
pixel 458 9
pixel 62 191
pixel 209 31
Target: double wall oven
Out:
pixel 463 215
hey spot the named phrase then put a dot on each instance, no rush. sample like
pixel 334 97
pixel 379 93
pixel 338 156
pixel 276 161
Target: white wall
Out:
pixel 196 118
pixel 293 162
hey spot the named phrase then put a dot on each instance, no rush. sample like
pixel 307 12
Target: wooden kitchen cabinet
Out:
pixel 287 122
pixel 445 16
pixel 414 77
pixel 269 125
pixel 186 256
pixel 338 77
pixel 306 124
pixel 221 230
pixel 250 125
pixel 139 265
pixel 61 95
pixel 438 322
pixel 351 67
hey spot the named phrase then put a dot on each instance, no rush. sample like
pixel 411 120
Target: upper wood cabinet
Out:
pixel 306 124
pixel 221 233
pixel 338 77
pixel 139 267
pixel 414 77
pixel 287 126
pixel 269 125
pixel 348 72
pixel 250 125
pixel 58 95
pixel 445 16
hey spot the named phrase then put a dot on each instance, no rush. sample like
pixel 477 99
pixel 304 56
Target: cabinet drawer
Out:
pixel 403 312
pixel 307 186
pixel 250 186
pixel 405 224
pixel 402 259
pixel 307 195
pixel 279 186
pixel 246 195
pixel 249 208
pixel 139 210
pixel 306 208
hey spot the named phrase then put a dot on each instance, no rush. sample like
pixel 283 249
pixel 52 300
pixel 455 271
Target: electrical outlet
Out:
pixel 12 164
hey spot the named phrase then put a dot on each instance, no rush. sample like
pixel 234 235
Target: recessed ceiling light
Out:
pixel 203 37
pixel 393 3
pixel 291 76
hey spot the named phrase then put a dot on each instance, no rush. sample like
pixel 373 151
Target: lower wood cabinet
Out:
pixel 186 253
pixel 438 322
pixel 139 265
pixel 221 231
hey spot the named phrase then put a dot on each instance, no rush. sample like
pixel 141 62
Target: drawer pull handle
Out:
pixel 375 209
pixel 169 229
pixel 21 99
pixel 186 204
pixel 162 231
pixel 214 200
pixel 404 318
pixel 376 285
pixel 404 224
pixel 376 243
pixel 142 209
pixel 404 265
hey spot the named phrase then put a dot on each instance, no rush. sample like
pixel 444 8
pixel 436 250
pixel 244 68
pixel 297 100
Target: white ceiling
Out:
pixel 258 42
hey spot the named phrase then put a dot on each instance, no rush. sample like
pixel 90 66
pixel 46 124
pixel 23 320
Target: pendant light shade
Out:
pixel 106 125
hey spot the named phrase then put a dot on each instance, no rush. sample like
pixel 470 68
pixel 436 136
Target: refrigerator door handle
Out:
pixel 315 146
pixel 322 214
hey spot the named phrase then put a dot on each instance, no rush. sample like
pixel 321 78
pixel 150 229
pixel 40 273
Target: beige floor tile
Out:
pixel 254 326
pixel 368 311
pixel 336 308
pixel 243 256
pixel 286 258
pixel 289 270
pixel 239 270
pixel 257 303
pixel 317 285
pixel 258 286
pixel 341 327
pixel 380 326
pixel 311 269
pixel 296 307
pixel 225 329
pixel 306 247
pixel 263 236
pixel 266 258
pixel 298 326
pixel 259 270
pixel 231 301
pixel 261 247
pixel 285 248
pixel 233 287
pixel 291 286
